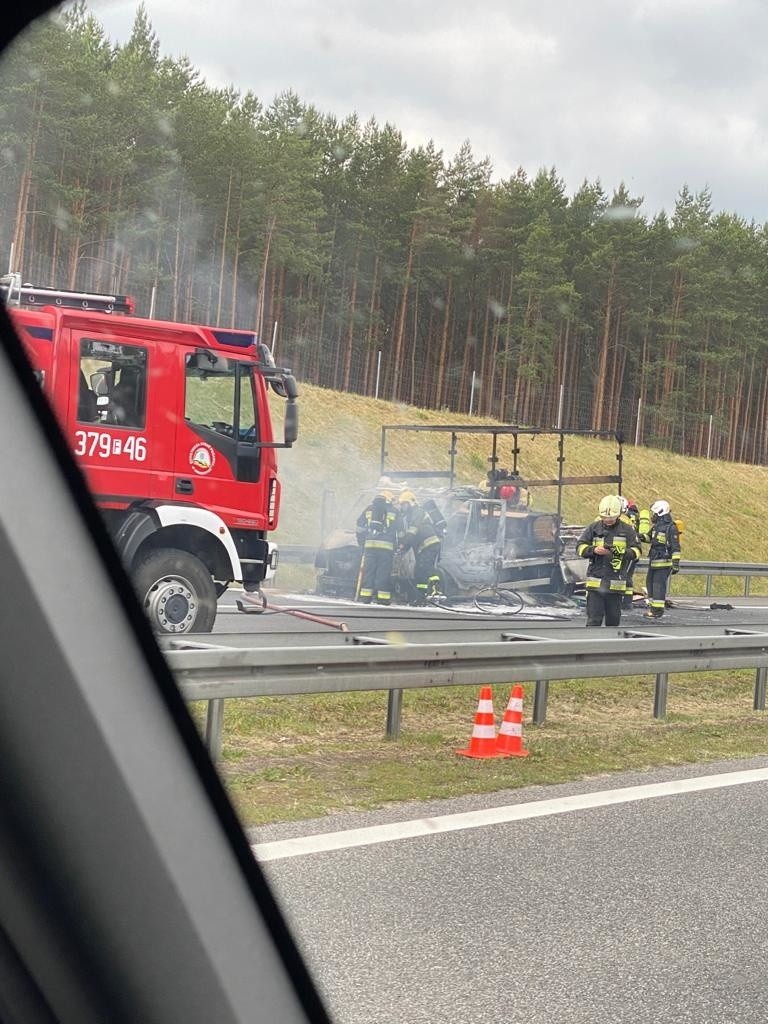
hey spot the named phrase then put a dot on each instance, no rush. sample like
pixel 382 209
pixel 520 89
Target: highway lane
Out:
pixel 279 628
pixel 649 911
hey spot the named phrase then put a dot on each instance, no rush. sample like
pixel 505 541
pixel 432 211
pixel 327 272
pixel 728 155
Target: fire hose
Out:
pixel 259 606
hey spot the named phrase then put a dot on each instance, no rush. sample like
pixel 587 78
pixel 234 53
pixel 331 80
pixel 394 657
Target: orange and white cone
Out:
pixel 510 739
pixel 482 742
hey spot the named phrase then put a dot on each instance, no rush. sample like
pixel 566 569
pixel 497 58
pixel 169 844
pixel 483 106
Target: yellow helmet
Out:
pixel 408 496
pixel 610 507
pixel 387 494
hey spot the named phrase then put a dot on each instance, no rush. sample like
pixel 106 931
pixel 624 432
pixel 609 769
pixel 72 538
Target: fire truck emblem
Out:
pixel 202 458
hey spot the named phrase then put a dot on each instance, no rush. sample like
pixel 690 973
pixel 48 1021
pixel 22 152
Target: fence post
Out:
pixel 660 696
pixel 214 724
pixel 758 704
pixel 540 695
pixel 394 709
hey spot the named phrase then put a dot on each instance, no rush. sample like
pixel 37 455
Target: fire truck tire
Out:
pixel 177 592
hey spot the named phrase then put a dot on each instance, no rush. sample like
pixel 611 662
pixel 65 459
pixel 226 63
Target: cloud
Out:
pixel 657 94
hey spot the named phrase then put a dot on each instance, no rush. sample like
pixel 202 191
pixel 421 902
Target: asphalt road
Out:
pixel 648 911
pixel 279 625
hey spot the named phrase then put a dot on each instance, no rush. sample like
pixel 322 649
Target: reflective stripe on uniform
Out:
pixel 428 543
pixel 379 545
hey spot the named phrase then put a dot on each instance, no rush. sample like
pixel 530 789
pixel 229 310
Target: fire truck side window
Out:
pixel 220 398
pixel 112 384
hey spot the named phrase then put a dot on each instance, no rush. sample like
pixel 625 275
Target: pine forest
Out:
pixel 375 267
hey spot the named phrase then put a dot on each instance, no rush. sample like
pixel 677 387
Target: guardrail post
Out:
pixel 540 695
pixel 214 724
pixel 747 582
pixel 394 708
pixel 708 588
pixel 758 704
pixel 660 696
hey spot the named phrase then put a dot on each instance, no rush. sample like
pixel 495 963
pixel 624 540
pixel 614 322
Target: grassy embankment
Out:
pixel 298 757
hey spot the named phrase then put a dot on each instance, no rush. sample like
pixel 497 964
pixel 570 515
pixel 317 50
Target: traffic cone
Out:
pixel 510 739
pixel 482 742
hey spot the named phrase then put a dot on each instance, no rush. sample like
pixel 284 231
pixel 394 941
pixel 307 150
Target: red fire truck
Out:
pixel 170 423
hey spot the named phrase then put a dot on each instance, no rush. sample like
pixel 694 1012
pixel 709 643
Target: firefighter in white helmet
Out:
pixel 663 557
pixel 612 547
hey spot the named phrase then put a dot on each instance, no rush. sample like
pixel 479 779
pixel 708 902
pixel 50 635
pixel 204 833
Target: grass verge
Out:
pixel 293 758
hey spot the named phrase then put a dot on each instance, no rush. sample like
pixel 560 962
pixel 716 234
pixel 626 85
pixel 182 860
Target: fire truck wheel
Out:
pixel 177 592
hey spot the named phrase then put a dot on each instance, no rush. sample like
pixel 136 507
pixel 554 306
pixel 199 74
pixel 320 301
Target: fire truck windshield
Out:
pixel 221 399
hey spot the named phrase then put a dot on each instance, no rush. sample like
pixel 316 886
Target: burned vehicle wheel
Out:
pixel 176 591
pixel 338 564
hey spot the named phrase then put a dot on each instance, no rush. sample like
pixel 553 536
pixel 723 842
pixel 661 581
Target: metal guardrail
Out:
pixel 305 555
pixel 215 675
pixel 714 569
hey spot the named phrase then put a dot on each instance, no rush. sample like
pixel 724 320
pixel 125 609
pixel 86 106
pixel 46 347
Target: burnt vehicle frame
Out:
pixel 489 542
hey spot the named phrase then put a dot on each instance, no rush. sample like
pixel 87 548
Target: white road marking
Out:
pixel 327 841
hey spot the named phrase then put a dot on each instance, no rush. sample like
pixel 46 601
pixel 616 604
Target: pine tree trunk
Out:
pixel 505 363
pixel 370 338
pixel 268 236
pixel 351 325
pixel 414 342
pixel 234 320
pixel 468 358
pixel 599 392
pixel 25 184
pixel 441 359
pixel 400 329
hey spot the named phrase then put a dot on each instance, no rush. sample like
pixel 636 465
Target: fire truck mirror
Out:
pixel 291 427
pixel 286 386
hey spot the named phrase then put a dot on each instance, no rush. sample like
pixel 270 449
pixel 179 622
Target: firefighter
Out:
pixel 663 557
pixel 420 535
pixel 611 547
pixel 378 529
pixel 631 516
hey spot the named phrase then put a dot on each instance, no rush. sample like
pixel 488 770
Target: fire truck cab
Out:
pixel 171 426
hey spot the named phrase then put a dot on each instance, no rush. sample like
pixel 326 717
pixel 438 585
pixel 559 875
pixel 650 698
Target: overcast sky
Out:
pixel 656 93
